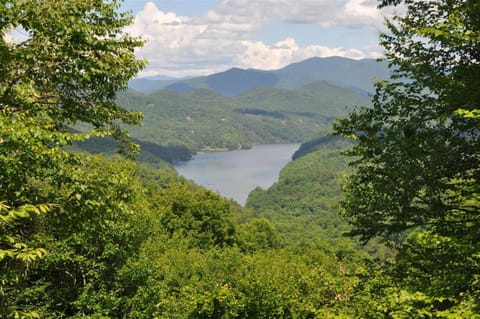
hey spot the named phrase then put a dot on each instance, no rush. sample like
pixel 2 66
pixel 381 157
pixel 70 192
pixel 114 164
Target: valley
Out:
pixel 208 117
pixel 375 214
pixel 234 174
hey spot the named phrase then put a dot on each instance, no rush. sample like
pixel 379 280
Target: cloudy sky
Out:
pixel 198 37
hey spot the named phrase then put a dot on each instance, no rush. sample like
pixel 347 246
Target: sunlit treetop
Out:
pixel 67 60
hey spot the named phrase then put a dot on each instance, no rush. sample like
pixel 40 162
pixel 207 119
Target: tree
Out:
pixel 97 227
pixel 74 60
pixel 65 68
pixel 418 152
pixel 199 215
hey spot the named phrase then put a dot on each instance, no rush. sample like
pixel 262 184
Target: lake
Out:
pixel 235 174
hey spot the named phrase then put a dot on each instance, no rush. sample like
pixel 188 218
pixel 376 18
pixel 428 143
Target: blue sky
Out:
pixel 199 37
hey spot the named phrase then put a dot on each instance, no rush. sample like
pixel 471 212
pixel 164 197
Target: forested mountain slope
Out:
pixel 303 203
pixel 204 119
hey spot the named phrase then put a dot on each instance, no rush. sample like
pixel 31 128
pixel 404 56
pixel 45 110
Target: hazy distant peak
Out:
pixel 353 74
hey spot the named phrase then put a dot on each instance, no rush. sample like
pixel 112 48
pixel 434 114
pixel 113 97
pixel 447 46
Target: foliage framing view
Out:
pixel 69 69
pixel 417 158
pixel 103 237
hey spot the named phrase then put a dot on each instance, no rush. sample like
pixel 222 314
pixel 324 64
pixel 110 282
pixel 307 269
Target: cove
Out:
pixel 235 174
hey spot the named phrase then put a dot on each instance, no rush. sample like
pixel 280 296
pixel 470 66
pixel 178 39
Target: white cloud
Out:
pixel 223 37
pixel 261 56
pixel 326 13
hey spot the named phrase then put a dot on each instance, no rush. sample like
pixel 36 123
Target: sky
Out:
pixel 201 37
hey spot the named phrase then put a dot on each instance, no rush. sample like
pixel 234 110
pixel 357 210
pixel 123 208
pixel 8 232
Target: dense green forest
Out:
pixel 99 236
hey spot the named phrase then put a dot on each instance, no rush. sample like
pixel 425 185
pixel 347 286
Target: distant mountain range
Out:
pixel 240 108
pixel 356 75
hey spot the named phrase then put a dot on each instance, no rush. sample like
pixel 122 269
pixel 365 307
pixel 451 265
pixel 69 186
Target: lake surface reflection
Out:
pixel 236 173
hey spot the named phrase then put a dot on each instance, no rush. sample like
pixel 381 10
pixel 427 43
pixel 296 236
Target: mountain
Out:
pixel 229 83
pixel 356 75
pixel 147 86
pixel 151 84
pixel 236 81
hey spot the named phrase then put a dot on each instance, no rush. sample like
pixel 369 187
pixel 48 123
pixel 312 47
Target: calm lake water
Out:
pixel 234 174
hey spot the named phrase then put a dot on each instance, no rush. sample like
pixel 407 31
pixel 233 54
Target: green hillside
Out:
pixel 301 205
pixel 204 119
pixel 318 97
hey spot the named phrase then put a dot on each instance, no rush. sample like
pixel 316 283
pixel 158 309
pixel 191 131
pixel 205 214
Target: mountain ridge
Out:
pixel 356 75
